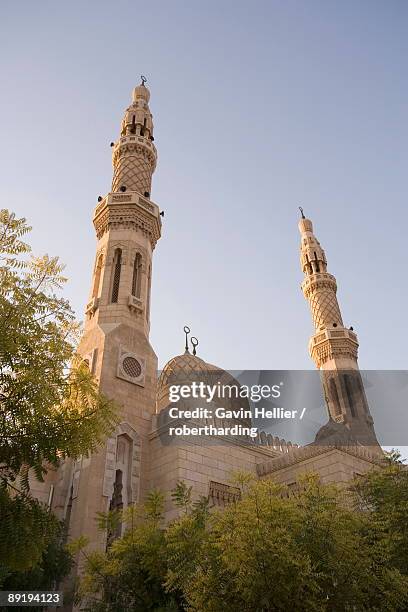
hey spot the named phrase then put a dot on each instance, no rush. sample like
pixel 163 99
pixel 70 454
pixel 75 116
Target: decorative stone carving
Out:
pixel 131 367
pixel 131 215
pixel 222 494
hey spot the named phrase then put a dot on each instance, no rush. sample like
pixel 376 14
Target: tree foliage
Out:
pixel 132 573
pixel 383 494
pixel 52 565
pixel 50 406
pixel 319 548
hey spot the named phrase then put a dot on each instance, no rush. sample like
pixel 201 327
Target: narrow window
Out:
pixel 317 262
pixel 94 360
pixel 117 265
pixel 137 275
pixel 348 383
pixel 335 397
pixel 143 128
pixel 115 505
pixel 360 388
pixel 309 265
pixel 97 279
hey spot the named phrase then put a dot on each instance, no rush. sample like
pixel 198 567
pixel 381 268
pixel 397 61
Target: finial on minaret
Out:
pixel 301 212
pixel 194 343
pixel 186 331
pixel 144 80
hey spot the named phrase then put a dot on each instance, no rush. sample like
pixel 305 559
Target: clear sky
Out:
pixel 258 107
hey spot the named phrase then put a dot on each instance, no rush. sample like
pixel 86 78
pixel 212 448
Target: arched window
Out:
pixel 137 275
pixel 316 262
pixel 334 396
pixel 348 383
pixel 115 505
pixel 97 278
pixel 360 389
pixel 117 265
pixel 308 265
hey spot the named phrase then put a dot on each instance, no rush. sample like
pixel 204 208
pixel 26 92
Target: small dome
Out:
pixel 180 370
pixel 181 367
pixel 186 369
pixel 141 93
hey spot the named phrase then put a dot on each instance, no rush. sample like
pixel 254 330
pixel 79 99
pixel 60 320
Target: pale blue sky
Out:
pixel 258 107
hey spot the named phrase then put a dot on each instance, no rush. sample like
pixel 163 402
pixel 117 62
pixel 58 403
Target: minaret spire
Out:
pixel 134 155
pixel 333 347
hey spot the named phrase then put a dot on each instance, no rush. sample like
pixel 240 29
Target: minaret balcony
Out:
pixel 128 209
pixel 331 343
pixel 140 139
pixel 318 280
pixel 132 145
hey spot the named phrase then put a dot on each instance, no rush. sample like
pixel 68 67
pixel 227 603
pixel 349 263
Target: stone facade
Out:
pixel 116 346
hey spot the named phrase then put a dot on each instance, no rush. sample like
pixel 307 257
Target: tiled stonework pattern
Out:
pixel 325 309
pixel 134 172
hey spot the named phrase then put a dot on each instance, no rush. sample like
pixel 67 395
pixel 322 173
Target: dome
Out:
pixel 187 368
pixel 181 367
pixel 180 370
pixel 141 93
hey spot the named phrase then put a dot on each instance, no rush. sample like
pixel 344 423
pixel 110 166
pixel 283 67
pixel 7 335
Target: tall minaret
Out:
pixel 116 335
pixel 333 347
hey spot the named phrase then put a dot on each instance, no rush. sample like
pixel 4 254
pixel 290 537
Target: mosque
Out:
pixel 137 456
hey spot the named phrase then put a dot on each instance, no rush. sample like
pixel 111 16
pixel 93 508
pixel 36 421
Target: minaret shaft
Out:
pixel 116 333
pixel 333 347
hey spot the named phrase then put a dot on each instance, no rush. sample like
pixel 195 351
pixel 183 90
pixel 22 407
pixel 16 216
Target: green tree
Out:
pixel 278 551
pixel 383 495
pixel 275 549
pixel 52 567
pixel 132 573
pixel 50 406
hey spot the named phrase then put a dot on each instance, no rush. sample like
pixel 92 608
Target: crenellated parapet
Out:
pixel 275 443
pixel 312 451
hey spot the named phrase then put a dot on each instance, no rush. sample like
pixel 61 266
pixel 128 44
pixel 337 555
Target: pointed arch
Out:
pixel 335 397
pixel 137 275
pixel 117 266
pixel 348 383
